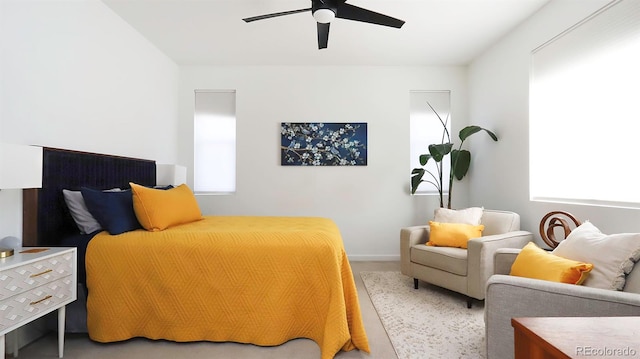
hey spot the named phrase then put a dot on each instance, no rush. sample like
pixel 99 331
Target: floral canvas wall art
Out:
pixel 323 144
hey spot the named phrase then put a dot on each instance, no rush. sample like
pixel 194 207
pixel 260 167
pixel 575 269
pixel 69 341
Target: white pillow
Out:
pixel 80 213
pixel 472 215
pixel 613 256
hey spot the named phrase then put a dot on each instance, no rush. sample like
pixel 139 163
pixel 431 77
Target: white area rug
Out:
pixel 430 322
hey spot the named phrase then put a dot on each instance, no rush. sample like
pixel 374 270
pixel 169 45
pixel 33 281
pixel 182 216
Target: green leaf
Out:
pixel 460 161
pixel 424 159
pixel 440 150
pixel 416 179
pixel 491 134
pixel 470 130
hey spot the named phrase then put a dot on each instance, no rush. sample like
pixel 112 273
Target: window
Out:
pixel 425 129
pixel 584 113
pixel 215 141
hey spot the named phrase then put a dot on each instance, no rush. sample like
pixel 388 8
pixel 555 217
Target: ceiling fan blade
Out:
pixel 323 35
pixel 268 16
pixel 350 12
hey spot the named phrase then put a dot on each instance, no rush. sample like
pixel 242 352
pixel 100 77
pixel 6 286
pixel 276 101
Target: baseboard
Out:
pixel 375 257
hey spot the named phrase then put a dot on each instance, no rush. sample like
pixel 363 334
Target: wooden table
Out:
pixel 576 337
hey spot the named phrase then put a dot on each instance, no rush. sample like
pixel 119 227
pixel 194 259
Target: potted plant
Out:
pixel 459 158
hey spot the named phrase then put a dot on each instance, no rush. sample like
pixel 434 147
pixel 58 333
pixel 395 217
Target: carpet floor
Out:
pixel 430 322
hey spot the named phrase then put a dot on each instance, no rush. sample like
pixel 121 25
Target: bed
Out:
pixel 259 280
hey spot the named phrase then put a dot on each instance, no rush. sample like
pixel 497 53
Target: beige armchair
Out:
pixel 462 270
pixel 512 297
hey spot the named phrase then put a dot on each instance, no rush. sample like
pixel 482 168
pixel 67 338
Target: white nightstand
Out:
pixel 34 282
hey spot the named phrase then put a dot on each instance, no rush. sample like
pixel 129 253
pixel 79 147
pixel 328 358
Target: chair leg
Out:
pixel 415 283
pixel 469 302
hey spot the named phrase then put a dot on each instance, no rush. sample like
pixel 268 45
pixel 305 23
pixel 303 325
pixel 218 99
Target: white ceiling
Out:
pixel 211 32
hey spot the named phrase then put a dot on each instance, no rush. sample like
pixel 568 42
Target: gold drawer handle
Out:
pixel 41 273
pixel 38 301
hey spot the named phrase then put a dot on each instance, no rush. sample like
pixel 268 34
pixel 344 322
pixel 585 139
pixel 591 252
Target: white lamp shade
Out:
pixel 170 175
pixel 10 242
pixel 324 16
pixel 20 166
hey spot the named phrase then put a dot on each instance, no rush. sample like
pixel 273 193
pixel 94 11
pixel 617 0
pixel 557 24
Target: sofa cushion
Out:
pixel 448 259
pixel 536 263
pixel 613 256
pixel 472 215
pixel 498 222
pixel 452 234
pixel 632 283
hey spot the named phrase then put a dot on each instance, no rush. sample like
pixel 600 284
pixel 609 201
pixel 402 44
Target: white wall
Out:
pixel 74 75
pixel 498 93
pixel 371 203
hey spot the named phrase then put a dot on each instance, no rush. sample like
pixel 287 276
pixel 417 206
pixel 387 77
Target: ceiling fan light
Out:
pixel 324 16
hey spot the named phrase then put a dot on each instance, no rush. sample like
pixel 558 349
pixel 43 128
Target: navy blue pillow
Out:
pixel 113 210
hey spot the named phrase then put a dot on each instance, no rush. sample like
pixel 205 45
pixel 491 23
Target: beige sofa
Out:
pixel 462 270
pixel 509 297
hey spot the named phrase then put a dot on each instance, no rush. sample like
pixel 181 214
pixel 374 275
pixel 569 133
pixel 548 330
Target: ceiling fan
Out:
pixel 324 11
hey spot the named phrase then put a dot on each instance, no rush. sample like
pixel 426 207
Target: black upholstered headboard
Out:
pixel 46 219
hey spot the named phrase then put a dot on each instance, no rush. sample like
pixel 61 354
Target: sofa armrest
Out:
pixel 481 257
pixel 410 236
pixel 503 260
pixel 510 297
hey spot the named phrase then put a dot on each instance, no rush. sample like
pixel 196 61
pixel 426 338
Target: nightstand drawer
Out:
pixel 20 308
pixel 35 281
pixel 25 277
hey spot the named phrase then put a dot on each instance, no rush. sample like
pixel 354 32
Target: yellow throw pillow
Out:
pixel 158 209
pixel 534 262
pixel 452 234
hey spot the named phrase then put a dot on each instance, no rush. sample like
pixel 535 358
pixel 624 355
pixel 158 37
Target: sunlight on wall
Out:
pixel 584 113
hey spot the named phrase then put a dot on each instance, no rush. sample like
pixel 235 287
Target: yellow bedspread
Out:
pixel 260 280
